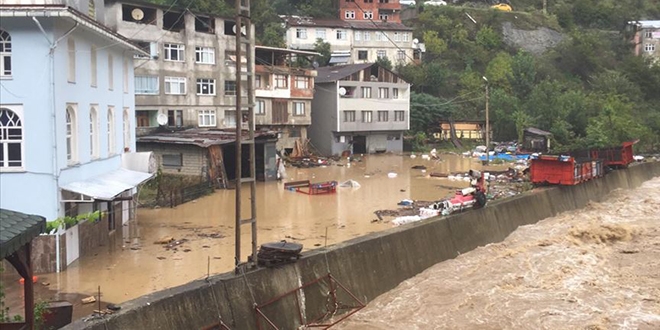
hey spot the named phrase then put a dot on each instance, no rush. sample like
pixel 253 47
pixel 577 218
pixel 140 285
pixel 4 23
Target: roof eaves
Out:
pixel 18 229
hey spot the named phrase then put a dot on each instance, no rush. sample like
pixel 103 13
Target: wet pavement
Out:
pixel 593 268
pixel 135 266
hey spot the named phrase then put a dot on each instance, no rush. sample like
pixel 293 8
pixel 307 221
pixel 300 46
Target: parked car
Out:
pixel 407 2
pixel 435 3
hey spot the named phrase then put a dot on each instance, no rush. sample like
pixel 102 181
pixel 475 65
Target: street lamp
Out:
pixel 487 125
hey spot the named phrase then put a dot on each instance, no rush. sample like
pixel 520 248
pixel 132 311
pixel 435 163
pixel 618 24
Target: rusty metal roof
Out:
pixel 201 137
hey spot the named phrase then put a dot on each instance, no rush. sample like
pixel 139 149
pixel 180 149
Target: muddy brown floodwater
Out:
pixel 593 268
pixel 137 266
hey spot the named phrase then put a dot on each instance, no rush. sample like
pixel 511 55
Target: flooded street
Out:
pixel 138 266
pixel 593 268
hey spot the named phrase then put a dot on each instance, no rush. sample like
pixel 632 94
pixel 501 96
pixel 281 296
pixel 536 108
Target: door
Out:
pixel 359 144
pixel 72 245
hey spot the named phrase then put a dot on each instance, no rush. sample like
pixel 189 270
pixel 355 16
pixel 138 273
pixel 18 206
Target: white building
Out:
pixel 354 41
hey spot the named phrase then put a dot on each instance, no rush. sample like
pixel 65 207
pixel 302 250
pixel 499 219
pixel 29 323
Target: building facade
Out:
pixel 646 38
pixel 284 93
pixel 363 108
pixel 189 77
pixel 370 10
pixel 67 119
pixel 354 41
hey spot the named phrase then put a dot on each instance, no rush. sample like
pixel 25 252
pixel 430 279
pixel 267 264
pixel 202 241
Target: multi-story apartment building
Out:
pixel 66 114
pixel 363 108
pixel 189 77
pixel 646 38
pixel 368 10
pixel 354 41
pixel 284 93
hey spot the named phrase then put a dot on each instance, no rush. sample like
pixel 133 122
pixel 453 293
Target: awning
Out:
pixel 18 229
pixel 339 59
pixel 107 186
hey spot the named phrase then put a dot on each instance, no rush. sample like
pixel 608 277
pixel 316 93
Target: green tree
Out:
pixel 322 48
pixel 523 74
pixel 487 38
pixel 434 44
pixel 384 62
pixel 499 71
pixel 426 111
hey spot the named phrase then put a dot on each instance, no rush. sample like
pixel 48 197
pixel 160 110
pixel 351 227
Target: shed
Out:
pixel 536 140
pixel 17 230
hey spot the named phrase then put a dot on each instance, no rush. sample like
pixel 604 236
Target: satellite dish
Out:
pixel 342 91
pixel 415 41
pixel 315 65
pixel 137 14
pixel 162 119
pixel 243 29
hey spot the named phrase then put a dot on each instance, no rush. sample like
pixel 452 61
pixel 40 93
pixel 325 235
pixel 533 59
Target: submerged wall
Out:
pixel 368 266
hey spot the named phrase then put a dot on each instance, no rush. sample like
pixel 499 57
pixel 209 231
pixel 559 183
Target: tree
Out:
pixel 323 48
pixel 523 74
pixel 426 111
pixel 384 62
pixel 499 70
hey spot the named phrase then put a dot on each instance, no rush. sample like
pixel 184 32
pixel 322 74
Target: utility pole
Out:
pixel 245 45
pixel 487 126
pixel 545 7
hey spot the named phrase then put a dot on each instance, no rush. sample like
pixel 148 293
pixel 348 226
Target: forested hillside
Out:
pixel 589 90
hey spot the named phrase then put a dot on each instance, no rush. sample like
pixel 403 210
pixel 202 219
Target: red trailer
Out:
pixel 564 170
pixel 615 157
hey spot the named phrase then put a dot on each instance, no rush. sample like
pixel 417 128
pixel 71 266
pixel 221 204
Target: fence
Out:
pixel 179 196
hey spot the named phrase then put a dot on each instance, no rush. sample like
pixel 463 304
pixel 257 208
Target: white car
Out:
pixel 435 3
pixel 407 2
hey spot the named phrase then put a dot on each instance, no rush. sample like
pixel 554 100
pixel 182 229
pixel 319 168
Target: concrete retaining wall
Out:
pixel 368 266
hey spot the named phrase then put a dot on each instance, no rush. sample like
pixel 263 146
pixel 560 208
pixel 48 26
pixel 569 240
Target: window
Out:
pixel 397 36
pixel 175 118
pixel 11 140
pixel 146 85
pixel 367 116
pixel 381 53
pixel 230 118
pixel 206 118
pixel 93 133
pixel 111 131
pixel 383 116
pixel 384 1
pixel 257 81
pixel 298 108
pixel 368 1
pixel 349 14
pixel 320 34
pixel 648 34
pixel 405 36
pixel 205 86
pixel 71 47
pixel 71 128
pixel 172 160
pixel 367 35
pixel 260 107
pixel 399 116
pixel 383 93
pixel 302 82
pixel 395 93
pixel 649 48
pixel 381 36
pixel 91 9
pixel 401 55
pixel 280 81
pixel 363 54
pixel 92 65
pixel 230 87
pixel 127 131
pixel 205 55
pixel 358 35
pixel 349 116
pixel 368 14
pixel 175 85
pixel 5 54
pixel 366 92
pixel 383 17
pixel 174 52
pixel 301 33
pixel 341 34
pixel 111 77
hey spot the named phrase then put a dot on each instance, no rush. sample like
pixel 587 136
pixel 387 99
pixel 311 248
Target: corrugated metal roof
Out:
pixel 334 73
pixel 199 137
pixel 18 229
pixel 338 23
pixel 108 185
pixel 537 131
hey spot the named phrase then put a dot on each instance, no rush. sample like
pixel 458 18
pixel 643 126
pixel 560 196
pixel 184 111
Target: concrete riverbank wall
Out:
pixel 368 266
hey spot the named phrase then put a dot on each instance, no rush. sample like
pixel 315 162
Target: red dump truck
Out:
pixel 564 170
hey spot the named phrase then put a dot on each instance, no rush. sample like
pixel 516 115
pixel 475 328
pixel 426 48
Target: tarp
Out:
pixel 507 157
pixel 108 185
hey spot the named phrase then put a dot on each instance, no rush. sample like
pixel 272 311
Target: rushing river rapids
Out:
pixel 593 268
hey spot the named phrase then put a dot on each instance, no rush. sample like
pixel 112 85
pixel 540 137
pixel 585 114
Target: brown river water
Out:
pixel 136 266
pixel 593 268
